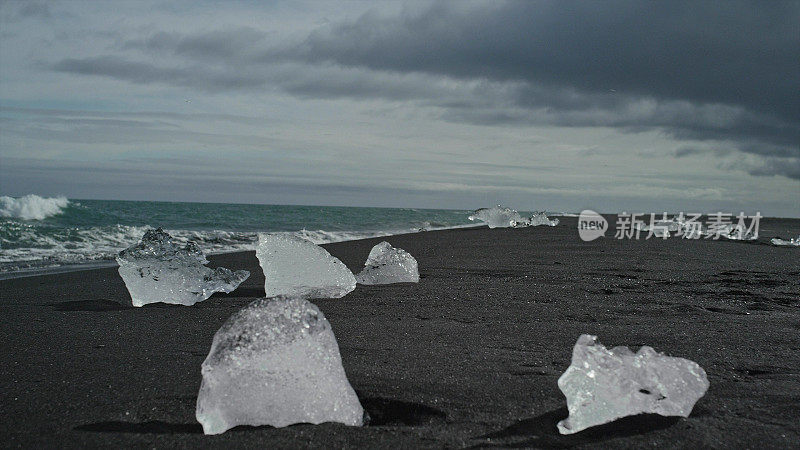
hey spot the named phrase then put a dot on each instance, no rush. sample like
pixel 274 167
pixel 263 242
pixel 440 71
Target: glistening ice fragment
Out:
pixel 603 385
pixel 276 362
pixel 540 218
pixel 502 217
pixel 159 270
pixel 783 242
pixel 297 267
pixel 386 264
pixel 498 217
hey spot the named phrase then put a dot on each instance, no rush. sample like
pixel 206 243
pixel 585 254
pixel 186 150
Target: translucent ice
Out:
pixel 603 385
pixel 540 218
pixel 661 228
pixel 784 242
pixel 276 362
pixel 386 264
pixel 664 228
pixel 734 232
pixel 498 217
pixel 297 267
pixel 158 270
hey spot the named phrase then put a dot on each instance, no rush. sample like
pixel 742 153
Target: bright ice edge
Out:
pixel 275 362
pixel 158 270
pixel 602 385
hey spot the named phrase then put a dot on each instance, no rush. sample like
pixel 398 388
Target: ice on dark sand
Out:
pixel 603 385
pixel 502 217
pixel 157 269
pixel 276 362
pixel 296 267
pixel 386 264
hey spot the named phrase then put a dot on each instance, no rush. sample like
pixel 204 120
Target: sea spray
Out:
pixel 31 207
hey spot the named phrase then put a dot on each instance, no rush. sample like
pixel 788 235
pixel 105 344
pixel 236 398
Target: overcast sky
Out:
pixel 637 106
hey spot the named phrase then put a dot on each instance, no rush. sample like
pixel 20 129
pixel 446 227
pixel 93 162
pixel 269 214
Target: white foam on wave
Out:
pixel 89 247
pixel 31 207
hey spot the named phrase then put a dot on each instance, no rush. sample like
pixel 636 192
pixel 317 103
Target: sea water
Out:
pixel 51 234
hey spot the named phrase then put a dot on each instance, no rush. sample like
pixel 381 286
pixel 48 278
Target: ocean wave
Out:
pixel 25 246
pixel 31 207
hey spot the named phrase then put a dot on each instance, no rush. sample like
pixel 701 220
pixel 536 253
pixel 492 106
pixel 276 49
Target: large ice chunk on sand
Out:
pixel 386 264
pixel 158 270
pixel 603 385
pixel 784 242
pixel 276 362
pixel 297 267
pixel 498 217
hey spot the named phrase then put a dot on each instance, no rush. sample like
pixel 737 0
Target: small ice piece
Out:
pixel 734 232
pixel 275 362
pixel 386 264
pixel 661 231
pixel 499 217
pixel 604 385
pixel 158 270
pixel 664 228
pixel 297 267
pixel 540 218
pixel 784 242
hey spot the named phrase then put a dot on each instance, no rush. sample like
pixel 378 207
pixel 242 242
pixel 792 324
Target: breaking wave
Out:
pixel 53 234
pixel 32 207
pixel 25 246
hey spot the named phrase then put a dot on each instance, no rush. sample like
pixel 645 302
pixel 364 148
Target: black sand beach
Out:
pixel 469 357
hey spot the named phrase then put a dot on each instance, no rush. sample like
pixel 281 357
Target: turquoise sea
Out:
pixel 38 233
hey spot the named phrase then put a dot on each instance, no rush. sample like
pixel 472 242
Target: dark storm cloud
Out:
pixel 734 53
pixel 719 72
pixel 772 166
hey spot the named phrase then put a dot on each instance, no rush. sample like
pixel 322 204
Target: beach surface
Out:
pixel 468 357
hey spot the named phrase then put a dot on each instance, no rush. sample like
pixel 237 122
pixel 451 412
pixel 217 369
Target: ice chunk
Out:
pixel 661 228
pixel 665 227
pixel 540 218
pixel 276 362
pixel 502 217
pixel 498 217
pixel 297 267
pixel 782 242
pixel 386 264
pixel 603 385
pixel 734 232
pixel 158 270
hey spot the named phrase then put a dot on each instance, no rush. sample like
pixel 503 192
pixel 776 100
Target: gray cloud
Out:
pixel 721 73
pixel 232 43
pixel 736 53
pixel 689 151
pixel 34 9
pixel 142 73
pixel 778 166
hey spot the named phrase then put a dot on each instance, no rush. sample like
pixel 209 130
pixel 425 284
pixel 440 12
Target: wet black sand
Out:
pixel 468 357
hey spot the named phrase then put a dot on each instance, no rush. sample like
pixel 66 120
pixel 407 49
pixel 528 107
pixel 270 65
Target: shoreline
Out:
pixel 469 356
pixel 764 239
pixel 104 263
